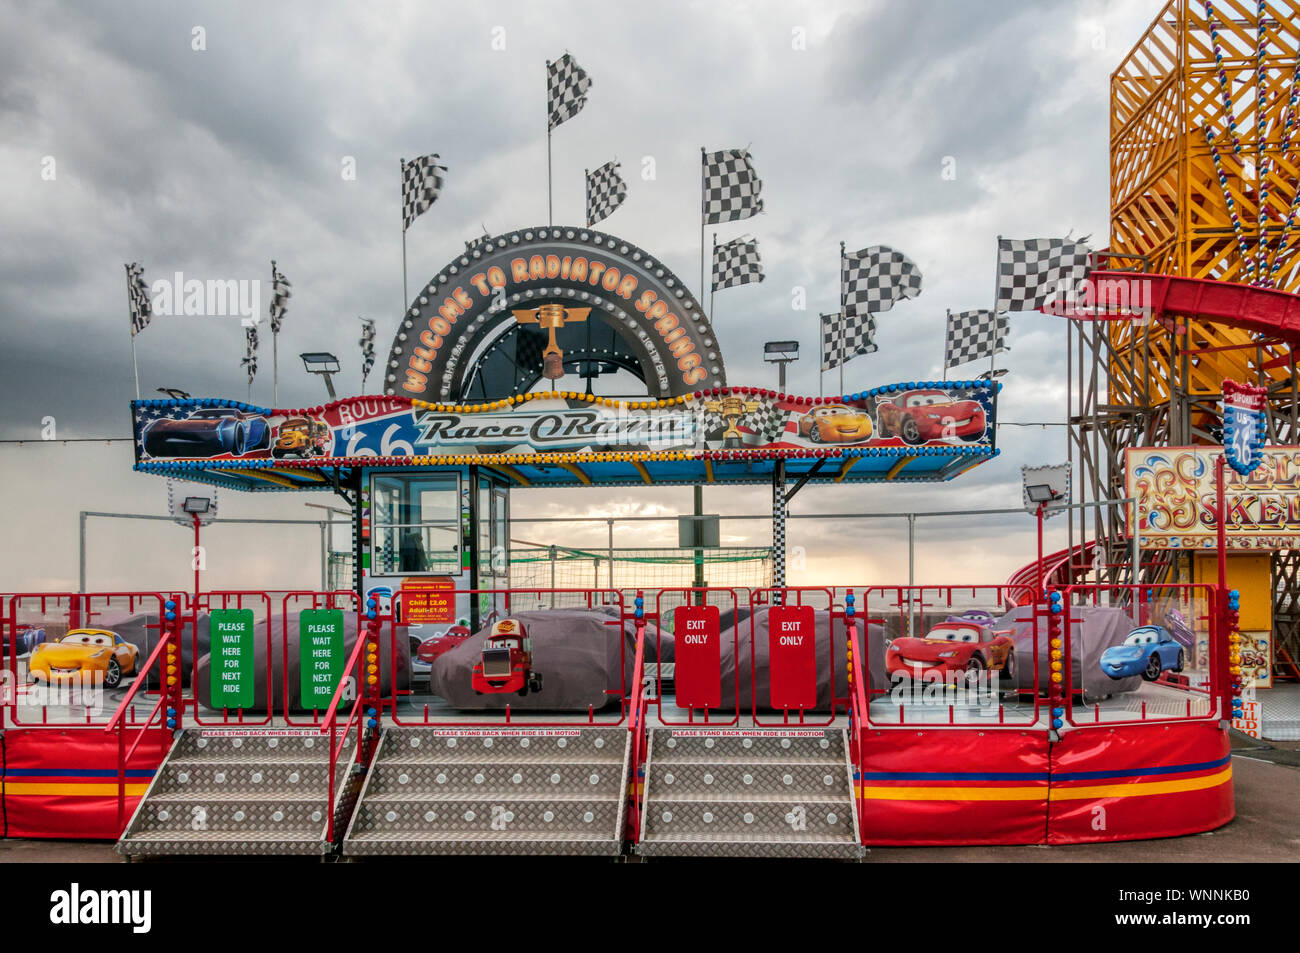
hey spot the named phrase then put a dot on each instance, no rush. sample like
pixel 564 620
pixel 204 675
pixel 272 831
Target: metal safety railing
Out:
pixel 1174 648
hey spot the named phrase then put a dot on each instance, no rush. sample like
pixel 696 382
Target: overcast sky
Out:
pixel 209 138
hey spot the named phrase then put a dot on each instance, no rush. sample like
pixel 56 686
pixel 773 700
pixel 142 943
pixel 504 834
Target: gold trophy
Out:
pixel 551 317
pixel 731 408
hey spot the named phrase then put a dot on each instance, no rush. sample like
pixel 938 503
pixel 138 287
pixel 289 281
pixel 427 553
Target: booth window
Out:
pixel 415 524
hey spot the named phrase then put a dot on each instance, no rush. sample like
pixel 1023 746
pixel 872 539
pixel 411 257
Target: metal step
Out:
pixel 248 792
pixel 433 791
pixel 752 793
pixel 740 747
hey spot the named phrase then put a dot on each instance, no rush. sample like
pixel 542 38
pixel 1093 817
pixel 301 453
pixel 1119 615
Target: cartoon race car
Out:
pixel 921 415
pixel 301 437
pixel 1148 651
pixel 953 647
pixel 85 650
pixel 835 423
pixel 434 647
pixel 506 665
pixel 25 638
pixel 208 432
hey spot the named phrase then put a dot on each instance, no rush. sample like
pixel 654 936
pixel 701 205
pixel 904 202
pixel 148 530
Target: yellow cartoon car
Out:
pixel 85 650
pixel 835 423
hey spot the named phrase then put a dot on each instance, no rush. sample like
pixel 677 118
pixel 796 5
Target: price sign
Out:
pixel 429 600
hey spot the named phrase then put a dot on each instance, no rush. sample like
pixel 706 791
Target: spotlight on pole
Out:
pixel 323 363
pixel 175 393
pixel 781 353
pixel 994 374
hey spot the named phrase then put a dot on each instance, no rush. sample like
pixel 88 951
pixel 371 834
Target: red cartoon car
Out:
pixel 507 662
pixel 921 415
pixel 436 646
pixel 953 647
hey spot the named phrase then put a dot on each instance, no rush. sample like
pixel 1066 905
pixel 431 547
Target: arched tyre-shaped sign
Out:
pixel 476 297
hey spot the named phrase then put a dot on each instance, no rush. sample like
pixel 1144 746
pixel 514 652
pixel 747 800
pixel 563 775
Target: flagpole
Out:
pixel 843 320
pixel 405 299
pixel 546 86
pixel 997 287
pixel 702 167
pixel 275 348
pixel 135 367
pixel 586 196
pixel 947 338
pixel 711 288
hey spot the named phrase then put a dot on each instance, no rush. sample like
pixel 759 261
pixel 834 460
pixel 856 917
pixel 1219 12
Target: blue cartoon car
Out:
pixel 1148 651
pixel 209 432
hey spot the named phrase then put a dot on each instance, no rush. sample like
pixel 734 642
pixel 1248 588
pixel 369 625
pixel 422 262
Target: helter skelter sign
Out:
pixel 513 277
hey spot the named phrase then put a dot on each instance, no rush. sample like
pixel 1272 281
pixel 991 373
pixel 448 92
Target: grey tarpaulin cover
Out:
pixel 1095 629
pixel 581 657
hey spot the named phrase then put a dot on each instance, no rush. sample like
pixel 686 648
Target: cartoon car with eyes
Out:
pixel 835 423
pixel 85 650
pixel 507 662
pixel 207 432
pixel 918 416
pixel 953 647
pixel 301 437
pixel 1148 651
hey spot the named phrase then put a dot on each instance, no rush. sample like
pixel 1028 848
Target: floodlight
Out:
pixel 1040 493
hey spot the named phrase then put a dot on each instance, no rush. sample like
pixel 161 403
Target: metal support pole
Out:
pixel 81 555
pixel 324 557
pixel 553 553
pixel 695 533
pixel 610 524
pixel 911 572
pixel 778 528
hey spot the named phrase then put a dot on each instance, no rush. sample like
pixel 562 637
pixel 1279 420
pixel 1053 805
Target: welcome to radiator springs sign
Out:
pixel 1177 503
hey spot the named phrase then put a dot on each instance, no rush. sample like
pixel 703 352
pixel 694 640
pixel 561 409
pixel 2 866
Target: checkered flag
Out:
pixel 422 180
pixel 367 348
pixel 844 337
pixel 1038 271
pixel 566 90
pixel 736 263
pixel 606 191
pixel 871 280
pixel 974 334
pixel 138 296
pixel 249 359
pixel 280 293
pixel 731 186
pixel 767 422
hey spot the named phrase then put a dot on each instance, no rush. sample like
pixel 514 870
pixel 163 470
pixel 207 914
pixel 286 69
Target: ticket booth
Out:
pixel 435 529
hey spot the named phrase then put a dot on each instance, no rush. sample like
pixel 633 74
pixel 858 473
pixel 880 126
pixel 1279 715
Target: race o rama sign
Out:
pixel 540 276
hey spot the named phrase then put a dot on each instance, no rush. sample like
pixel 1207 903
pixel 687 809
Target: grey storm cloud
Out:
pixel 211 162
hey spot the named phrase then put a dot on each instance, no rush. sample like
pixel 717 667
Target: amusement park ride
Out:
pixel 1087 700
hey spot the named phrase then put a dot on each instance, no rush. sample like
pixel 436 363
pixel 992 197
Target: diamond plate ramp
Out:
pixel 757 793
pixel 517 791
pixel 242 792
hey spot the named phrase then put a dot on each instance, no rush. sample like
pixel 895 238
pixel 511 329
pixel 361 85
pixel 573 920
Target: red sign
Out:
pixel 792 657
pixel 697 655
pixel 429 600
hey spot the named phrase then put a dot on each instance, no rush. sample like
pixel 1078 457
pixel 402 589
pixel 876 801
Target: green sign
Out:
pixel 320 655
pixel 230 663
